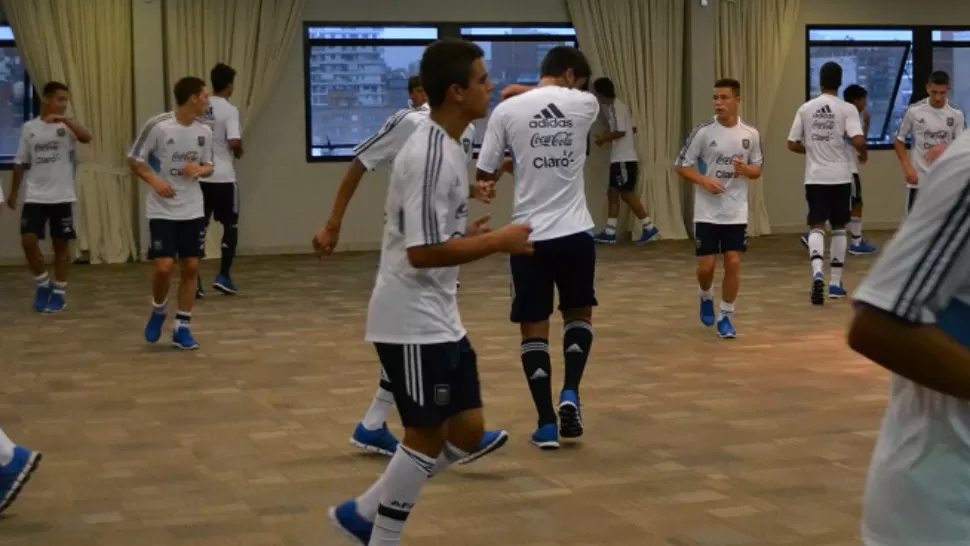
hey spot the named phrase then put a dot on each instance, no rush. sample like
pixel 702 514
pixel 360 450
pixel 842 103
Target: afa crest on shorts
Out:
pixel 61 131
pixel 746 143
pixel 201 141
pixel 949 122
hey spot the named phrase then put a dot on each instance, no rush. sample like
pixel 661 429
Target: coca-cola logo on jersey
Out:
pixel 185 157
pixel 555 140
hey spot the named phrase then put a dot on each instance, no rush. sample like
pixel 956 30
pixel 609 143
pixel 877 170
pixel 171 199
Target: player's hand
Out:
pixel 191 170
pixel 740 167
pixel 598 140
pixel 484 190
pixel 911 176
pixel 164 190
pixel 866 117
pixel 935 152
pixel 514 239
pixel 513 90
pixel 479 227
pixel 12 201
pixel 326 240
pixel 712 186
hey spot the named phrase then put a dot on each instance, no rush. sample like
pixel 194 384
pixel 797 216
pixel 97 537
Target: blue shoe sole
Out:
pixel 570 423
pixel 225 289
pixel 32 465
pixel 503 437
pixel 730 335
pixel 371 448
pixel 185 347
pixel 548 445
pixel 332 514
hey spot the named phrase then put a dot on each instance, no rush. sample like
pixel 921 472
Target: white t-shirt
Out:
pixel 381 148
pixel 918 490
pixel 929 126
pixel 547 130
pixel 822 125
pixel 853 153
pixel 427 204
pixel 167 147
pixel 623 149
pixel 222 119
pixel 49 151
pixel 712 148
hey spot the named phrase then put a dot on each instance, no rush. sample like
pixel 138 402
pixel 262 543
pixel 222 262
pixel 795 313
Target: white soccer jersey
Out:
pixel 222 118
pixel 427 204
pixel 929 127
pixel 853 153
pixel 167 147
pixel 381 148
pixel 822 125
pixel 918 490
pixel 624 148
pixel 49 151
pixel 711 149
pixel 547 130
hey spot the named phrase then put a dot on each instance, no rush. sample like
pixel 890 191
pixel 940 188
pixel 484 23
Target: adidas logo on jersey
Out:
pixel 550 117
pixel 824 112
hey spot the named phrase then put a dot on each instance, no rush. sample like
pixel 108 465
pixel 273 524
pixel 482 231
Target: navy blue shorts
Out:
pixel 623 176
pixel 37 218
pixel 712 239
pixel 566 264
pixel 176 239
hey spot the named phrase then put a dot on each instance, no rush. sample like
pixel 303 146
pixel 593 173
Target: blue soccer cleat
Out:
pixel 376 441
pixel 15 475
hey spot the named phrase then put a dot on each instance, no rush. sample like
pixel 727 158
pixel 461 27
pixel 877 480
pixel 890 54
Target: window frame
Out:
pixel 310 43
pixel 30 104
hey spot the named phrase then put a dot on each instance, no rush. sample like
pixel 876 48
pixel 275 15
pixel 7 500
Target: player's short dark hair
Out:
pixel 222 77
pixel 445 63
pixel 414 82
pixel 830 76
pixel 854 93
pixel 561 59
pixel 604 87
pixel 51 88
pixel 186 88
pixel 729 83
pixel 939 77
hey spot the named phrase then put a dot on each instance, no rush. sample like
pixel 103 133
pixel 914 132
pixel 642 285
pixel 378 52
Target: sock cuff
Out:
pixel 578 324
pixel 157 305
pixel 535 344
pixel 421 461
pixel 838 233
pixel 42 277
pixel 453 453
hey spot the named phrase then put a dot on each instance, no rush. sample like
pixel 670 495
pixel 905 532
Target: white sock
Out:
pixel 855 228
pixel 407 473
pixel 182 320
pixel 380 408
pixel 837 251
pixel 43 280
pixel 816 250
pixel 707 295
pixel 646 223
pixel 611 226
pixel 6 449
pixel 60 287
pixel 160 308
pixel 727 309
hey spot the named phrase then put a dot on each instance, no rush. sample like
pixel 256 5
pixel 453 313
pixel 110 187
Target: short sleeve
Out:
pixel 853 124
pixel 492 154
pixel 797 132
pixel 959 124
pixel 208 150
pixel 425 183
pixel 690 154
pixel 613 119
pixel 23 148
pixel 381 148
pixel 146 142
pixel 906 127
pixel 928 260
pixel 233 128
pixel 756 156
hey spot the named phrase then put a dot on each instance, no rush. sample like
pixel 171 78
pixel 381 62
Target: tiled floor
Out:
pixel 690 440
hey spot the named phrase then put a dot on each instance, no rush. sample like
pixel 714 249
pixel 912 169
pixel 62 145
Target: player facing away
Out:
pixel 371 433
pixel 912 317
pixel 220 191
pixel 47 161
pixel 413 319
pixel 17 464
pixel 933 123
pixel 720 157
pixel 172 152
pixel 624 166
pixel 546 128
pixel 819 131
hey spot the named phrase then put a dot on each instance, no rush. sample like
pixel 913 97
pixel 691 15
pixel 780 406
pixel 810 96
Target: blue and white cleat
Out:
pixel 350 523
pixel 14 476
pixel 380 441
pixel 491 441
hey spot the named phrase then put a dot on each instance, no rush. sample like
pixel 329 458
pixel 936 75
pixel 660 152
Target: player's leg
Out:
pixel 817 197
pixel 706 248
pixel 575 278
pixel 208 206
pixel 190 240
pixel 162 251
pixel 372 433
pixel 629 196
pixel 227 214
pixel 17 464
pixel 859 245
pixel 840 207
pixel 734 243
pixel 608 235
pixel 33 224
pixel 62 233
pixel 532 305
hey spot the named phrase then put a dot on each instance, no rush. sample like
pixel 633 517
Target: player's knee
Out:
pixel 706 265
pixel 164 267
pixel 466 433
pixel 30 241
pixel 732 263
pixel 189 268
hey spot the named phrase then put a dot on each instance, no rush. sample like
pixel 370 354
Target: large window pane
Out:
pixel 859 35
pixel 471 32
pixel 372 33
pixel 877 68
pixel 956 62
pixel 951 35
pixel 13 86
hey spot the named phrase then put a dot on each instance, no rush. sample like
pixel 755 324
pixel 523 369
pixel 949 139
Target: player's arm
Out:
pixel 207 162
pixel 686 163
pixel 20 163
pixel 491 157
pixel 796 136
pixel 899 143
pixel 234 133
pixel 853 130
pixel 145 144
pixel 617 128
pixel 80 133
pixel 752 169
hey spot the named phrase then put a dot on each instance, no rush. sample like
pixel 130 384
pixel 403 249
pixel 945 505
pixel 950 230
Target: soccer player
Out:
pixel 623 164
pixel 819 131
pixel 47 160
pixel 912 317
pixel 933 123
pixel 17 464
pixel 220 191
pixel 546 129
pixel 413 319
pixel 172 152
pixel 720 157
pixel 371 433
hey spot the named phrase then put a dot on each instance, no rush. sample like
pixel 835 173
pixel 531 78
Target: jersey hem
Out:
pixel 415 340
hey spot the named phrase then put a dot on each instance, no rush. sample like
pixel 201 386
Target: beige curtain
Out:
pixel 639 45
pixel 87 45
pixel 753 38
pixel 252 36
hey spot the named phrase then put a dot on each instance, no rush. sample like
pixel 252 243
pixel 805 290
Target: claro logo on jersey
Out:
pixel 932 138
pixel 725 166
pixel 46 152
pixel 554 162
pixel 550 117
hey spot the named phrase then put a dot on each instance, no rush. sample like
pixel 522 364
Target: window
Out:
pixel 951 52
pixel 513 55
pixel 879 60
pixel 355 78
pixel 18 101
